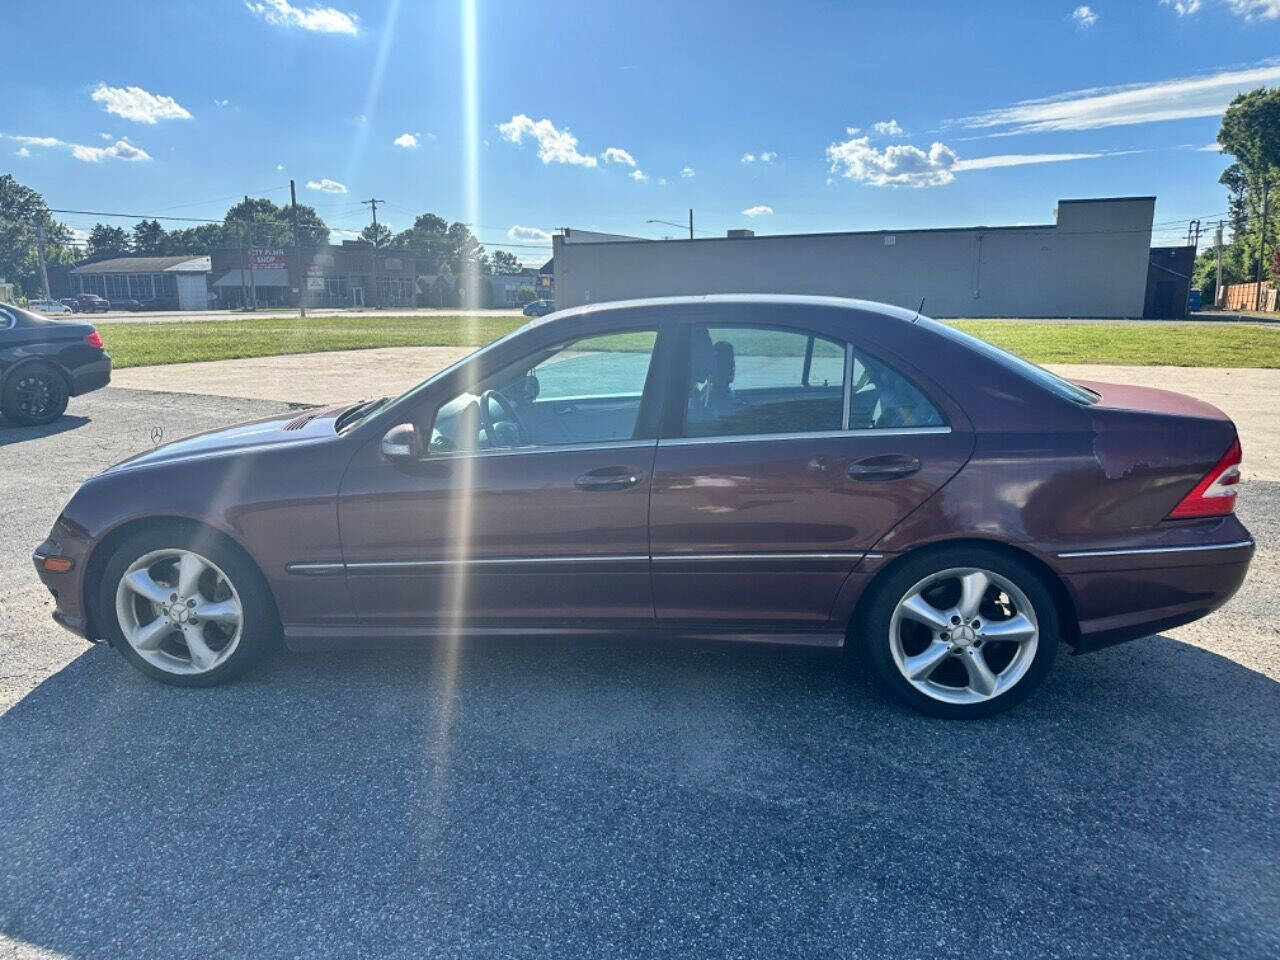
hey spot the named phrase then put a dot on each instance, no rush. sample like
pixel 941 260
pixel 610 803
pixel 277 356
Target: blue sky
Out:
pixel 603 115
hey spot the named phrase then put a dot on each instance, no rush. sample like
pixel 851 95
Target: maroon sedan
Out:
pixel 795 470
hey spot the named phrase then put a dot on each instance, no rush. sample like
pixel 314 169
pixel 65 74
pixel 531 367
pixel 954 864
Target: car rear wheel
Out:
pixel 961 632
pixel 186 607
pixel 34 394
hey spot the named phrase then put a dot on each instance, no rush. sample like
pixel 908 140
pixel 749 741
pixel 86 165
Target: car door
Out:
pixel 531 509
pixel 795 451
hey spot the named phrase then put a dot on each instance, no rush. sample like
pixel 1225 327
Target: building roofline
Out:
pixel 857 233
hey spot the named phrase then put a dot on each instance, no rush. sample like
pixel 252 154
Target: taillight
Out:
pixel 93 339
pixel 1215 494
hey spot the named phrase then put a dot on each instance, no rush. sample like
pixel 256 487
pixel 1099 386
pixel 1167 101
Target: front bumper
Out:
pixel 67 588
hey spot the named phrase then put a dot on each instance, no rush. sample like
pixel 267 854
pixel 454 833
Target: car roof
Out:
pixel 745 299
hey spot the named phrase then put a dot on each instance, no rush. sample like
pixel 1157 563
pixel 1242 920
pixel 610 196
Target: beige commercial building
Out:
pixel 1091 262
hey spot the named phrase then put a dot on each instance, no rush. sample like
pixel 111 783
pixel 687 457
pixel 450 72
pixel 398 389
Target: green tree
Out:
pixel 22 212
pixel 107 240
pixel 1250 133
pixel 149 238
pixel 428 240
pixel 504 261
pixel 379 238
pixel 199 240
pixel 271 226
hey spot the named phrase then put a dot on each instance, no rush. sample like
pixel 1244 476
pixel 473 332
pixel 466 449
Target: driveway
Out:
pixel 617 799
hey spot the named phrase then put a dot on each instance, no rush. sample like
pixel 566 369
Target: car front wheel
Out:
pixel 186 607
pixel 961 632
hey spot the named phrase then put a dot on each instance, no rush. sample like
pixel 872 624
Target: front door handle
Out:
pixel 609 478
pixel 888 467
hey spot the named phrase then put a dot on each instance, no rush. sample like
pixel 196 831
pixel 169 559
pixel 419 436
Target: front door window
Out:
pixel 584 391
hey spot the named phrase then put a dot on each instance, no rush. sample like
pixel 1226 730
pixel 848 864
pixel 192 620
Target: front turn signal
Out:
pixel 57 564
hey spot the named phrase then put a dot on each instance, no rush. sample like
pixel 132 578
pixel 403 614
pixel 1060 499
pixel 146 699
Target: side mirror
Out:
pixel 401 442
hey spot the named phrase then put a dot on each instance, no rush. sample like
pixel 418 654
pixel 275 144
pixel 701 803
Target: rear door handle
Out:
pixel 609 478
pixel 888 467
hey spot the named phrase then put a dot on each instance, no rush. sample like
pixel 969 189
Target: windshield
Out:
pixel 1032 371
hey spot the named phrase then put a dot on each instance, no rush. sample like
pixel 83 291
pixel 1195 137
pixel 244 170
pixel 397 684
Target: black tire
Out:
pixel 34 394
pixel 871 630
pixel 259 631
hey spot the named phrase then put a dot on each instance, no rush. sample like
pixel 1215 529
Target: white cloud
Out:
pixel 325 185
pixel 662 181
pixel 107 136
pixel 897 165
pixel 221 103
pixel 1202 96
pixel 688 172
pixel 554 145
pixel 406 140
pixel 78 235
pixel 39 141
pixel 639 176
pixel 759 210
pixel 533 234
pixel 1023 159
pixel 1249 9
pixel 1256 9
pixel 885 128
pixel 120 150
pixel 1084 17
pixel 316 19
pixel 279 166
pixel 748 158
pixel 1210 148
pixel 134 103
pixel 768 156
pixel 23 152
pixel 618 155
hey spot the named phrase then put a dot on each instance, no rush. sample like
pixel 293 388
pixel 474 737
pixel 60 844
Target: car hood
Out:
pixel 298 426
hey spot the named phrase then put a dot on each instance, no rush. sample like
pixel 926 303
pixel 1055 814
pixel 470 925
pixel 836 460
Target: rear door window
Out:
pixel 749 381
pixel 762 380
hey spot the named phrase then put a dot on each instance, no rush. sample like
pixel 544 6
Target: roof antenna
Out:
pixel 918 309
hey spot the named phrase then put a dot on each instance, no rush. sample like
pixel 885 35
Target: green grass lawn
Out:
pixel 1174 344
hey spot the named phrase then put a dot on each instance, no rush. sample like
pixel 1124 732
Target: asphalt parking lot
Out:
pixel 593 799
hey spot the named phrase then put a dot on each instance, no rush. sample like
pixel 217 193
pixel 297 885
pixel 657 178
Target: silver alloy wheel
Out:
pixel 964 635
pixel 179 611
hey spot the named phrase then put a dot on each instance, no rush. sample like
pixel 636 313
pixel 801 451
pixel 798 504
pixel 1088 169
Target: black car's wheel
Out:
pixel 185 606
pixel 960 632
pixel 34 394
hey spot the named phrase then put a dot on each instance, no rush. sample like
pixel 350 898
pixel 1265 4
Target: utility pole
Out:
pixel 691 223
pixel 253 280
pixel 244 267
pixel 373 208
pixel 44 274
pixel 1217 243
pixel 297 250
pixel 1262 245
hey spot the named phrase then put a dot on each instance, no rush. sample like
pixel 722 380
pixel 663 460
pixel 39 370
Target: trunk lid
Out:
pixel 1154 446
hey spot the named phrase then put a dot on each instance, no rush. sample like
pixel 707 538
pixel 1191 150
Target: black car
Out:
pixel 539 308
pixel 126 304
pixel 44 362
pixel 91 303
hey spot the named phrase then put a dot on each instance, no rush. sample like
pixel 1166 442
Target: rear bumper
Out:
pixel 1123 594
pixel 91 376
